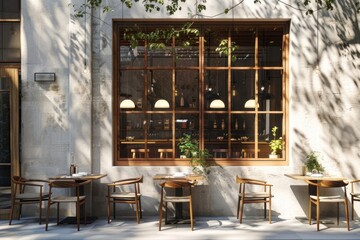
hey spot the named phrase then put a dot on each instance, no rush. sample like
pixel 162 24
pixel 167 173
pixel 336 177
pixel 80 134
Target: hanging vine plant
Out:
pixel 225 49
pixel 158 38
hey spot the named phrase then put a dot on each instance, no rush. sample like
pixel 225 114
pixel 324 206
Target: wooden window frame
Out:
pixel 283 161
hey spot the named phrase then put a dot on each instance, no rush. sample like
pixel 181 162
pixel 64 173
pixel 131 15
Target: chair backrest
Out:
pixel 165 152
pixel 20 184
pixel 353 183
pixel 68 183
pixel 328 183
pixel 249 181
pixel 139 152
pixel 174 184
pixel 129 181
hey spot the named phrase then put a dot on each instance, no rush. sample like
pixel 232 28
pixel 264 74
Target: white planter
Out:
pixel 274 156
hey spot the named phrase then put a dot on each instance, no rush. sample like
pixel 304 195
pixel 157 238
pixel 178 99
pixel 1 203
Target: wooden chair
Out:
pixel 139 152
pixel 317 199
pixel 246 197
pixel 220 153
pixel 186 196
pixel 355 196
pixel 117 195
pixel 27 191
pixel 165 153
pixel 78 199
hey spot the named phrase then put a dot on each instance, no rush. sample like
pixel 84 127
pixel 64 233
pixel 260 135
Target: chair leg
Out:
pixel 241 209
pixel 85 217
pixel 352 207
pixel 114 209
pixel 238 208
pixel 264 209
pixel 160 214
pixel 57 213
pixel 137 212
pixel 318 215
pixel 347 214
pixel 140 207
pixel 310 211
pixel 270 210
pixel 12 211
pixel 108 210
pixel 78 216
pixel 191 216
pixel 337 214
pixel 166 212
pixel 47 216
pixel 40 211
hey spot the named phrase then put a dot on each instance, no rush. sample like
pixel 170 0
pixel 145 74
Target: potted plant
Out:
pixel 189 147
pixel 276 145
pixel 312 163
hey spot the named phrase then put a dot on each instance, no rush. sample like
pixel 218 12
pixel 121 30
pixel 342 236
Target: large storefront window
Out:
pixel 231 61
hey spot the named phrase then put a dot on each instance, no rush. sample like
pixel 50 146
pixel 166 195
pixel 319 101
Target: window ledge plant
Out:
pixel 276 145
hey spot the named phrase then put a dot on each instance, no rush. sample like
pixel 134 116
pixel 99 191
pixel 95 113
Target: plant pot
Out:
pixel 274 156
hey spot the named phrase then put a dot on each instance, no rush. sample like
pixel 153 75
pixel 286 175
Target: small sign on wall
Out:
pixel 44 77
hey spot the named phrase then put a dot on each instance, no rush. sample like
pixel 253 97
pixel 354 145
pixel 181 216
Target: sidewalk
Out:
pixel 205 228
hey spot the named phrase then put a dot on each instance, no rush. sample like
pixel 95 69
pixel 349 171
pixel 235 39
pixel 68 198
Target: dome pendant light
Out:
pixel 162 103
pixel 127 103
pixel 251 103
pixel 217 103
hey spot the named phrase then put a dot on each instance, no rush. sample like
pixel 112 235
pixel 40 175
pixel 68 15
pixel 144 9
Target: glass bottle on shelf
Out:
pixel 215 124
pixel 182 101
pixel 222 124
pixel 236 125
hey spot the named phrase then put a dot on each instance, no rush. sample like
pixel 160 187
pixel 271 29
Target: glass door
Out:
pixel 9 139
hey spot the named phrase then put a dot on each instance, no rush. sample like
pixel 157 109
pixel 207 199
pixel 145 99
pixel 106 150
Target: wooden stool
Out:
pixel 165 153
pixel 219 153
pixel 139 152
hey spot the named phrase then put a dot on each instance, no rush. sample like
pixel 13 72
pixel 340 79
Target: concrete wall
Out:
pixel 73 114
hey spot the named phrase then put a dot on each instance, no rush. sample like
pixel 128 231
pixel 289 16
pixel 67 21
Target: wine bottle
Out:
pixel 182 102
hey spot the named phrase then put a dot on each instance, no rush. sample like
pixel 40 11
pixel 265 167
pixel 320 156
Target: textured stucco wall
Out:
pixel 73 115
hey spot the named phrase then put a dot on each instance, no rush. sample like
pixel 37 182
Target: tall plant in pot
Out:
pixel 189 147
pixel 276 145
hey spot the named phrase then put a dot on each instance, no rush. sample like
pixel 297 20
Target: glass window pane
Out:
pixel 216 87
pixel 216 134
pixel 131 133
pixel 5 176
pixel 266 123
pixel 132 86
pixel 187 89
pixel 242 89
pixel 10 9
pixel 270 90
pixel 215 47
pixel 4 127
pixel 159 133
pixel 10 42
pixel 270 47
pixel 244 43
pixel 159 87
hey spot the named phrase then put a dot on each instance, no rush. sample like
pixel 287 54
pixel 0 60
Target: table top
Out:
pixel 307 177
pixel 84 177
pixel 189 177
